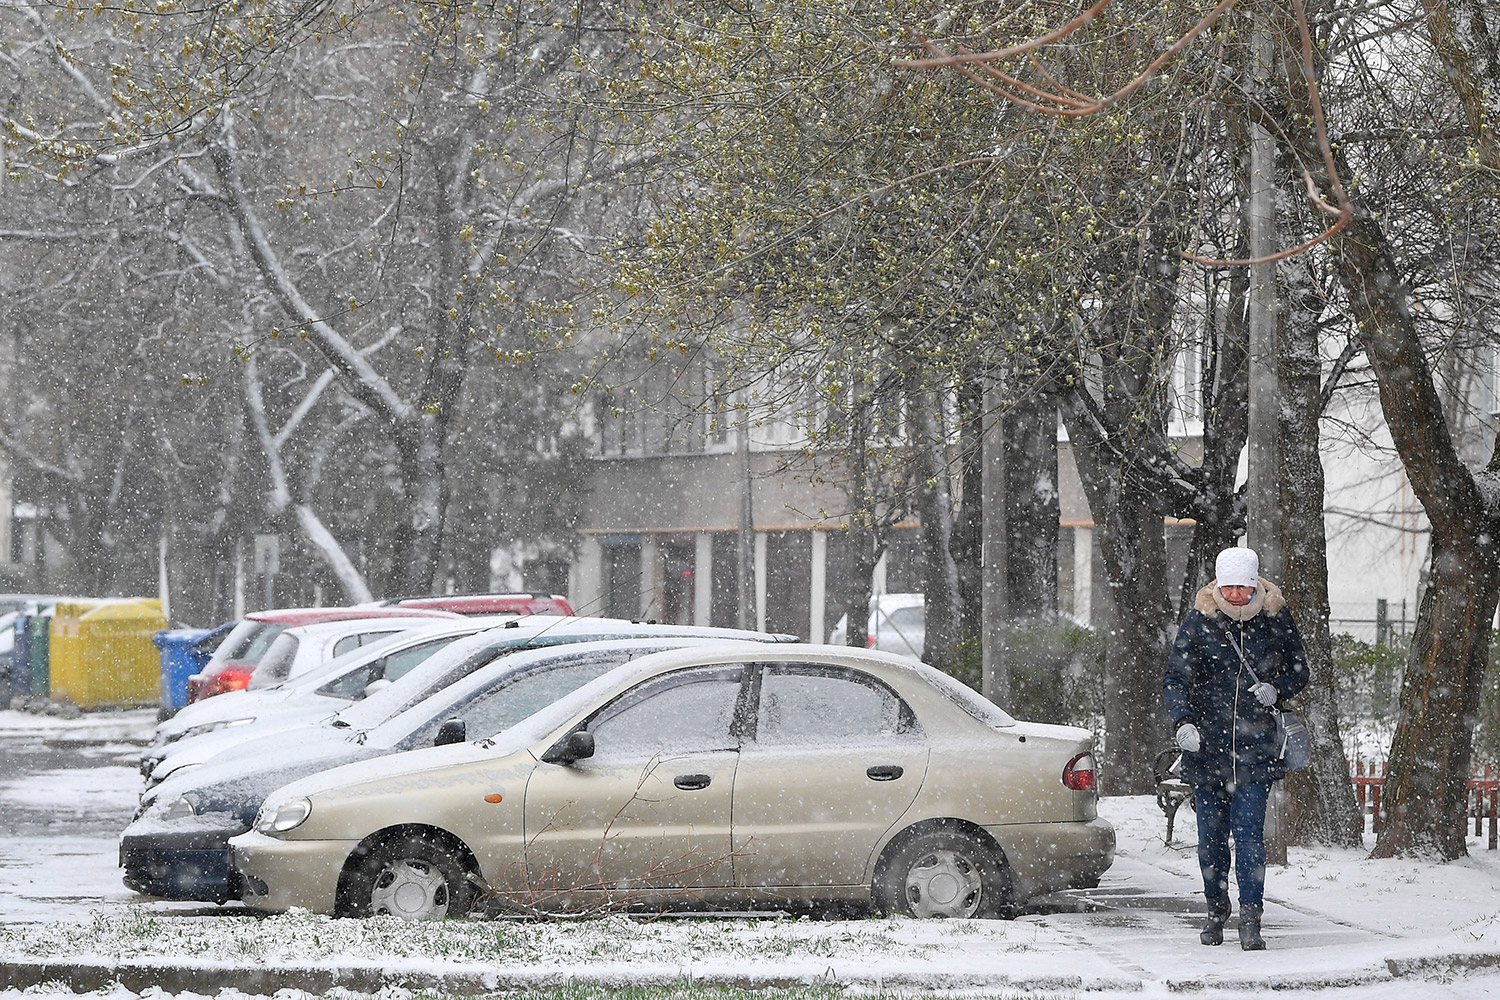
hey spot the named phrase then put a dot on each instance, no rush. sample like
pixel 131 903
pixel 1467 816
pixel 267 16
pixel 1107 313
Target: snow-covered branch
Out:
pixel 364 382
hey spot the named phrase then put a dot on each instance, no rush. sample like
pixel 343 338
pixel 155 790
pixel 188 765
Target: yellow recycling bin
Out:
pixel 102 654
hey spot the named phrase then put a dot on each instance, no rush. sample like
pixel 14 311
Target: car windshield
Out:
pixel 905 618
pixel 501 702
pixel 276 665
pixel 536 727
pixel 456 660
pixel 351 684
pixel 247 642
pixel 508 690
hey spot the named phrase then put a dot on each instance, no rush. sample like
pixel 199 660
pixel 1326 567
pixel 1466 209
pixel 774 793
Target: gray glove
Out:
pixel 1188 737
pixel 1265 693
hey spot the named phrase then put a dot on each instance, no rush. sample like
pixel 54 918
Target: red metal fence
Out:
pixel 1484 795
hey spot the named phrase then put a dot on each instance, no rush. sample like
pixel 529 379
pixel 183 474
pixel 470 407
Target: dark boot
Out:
pixel 1218 914
pixel 1250 939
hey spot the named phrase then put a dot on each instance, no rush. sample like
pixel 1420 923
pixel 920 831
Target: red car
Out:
pixel 230 667
pixel 490 604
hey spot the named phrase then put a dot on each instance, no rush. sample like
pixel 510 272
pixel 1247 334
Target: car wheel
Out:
pixel 409 877
pixel 943 873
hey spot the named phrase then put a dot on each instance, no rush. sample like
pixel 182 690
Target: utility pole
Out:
pixel 1263 488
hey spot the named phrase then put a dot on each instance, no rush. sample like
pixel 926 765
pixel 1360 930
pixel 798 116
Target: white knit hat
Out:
pixel 1237 568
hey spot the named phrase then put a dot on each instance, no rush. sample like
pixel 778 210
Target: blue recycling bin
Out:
pixel 184 651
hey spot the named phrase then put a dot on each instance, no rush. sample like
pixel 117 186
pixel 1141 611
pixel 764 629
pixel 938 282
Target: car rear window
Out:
pixel 968 699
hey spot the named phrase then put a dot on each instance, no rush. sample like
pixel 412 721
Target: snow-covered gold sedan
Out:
pixel 729 775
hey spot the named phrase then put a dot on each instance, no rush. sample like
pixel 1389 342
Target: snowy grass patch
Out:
pixel 576 991
pixel 305 938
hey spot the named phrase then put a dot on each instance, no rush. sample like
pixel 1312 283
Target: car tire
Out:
pixel 943 873
pixel 412 877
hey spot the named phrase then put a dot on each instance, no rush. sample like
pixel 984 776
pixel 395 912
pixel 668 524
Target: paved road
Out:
pixel 67 789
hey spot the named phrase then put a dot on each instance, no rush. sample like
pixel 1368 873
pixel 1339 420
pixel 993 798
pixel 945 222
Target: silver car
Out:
pixel 729 776
pixel 898 624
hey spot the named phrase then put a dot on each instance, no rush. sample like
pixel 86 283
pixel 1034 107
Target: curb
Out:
pixel 1442 965
pixel 87 977
pixel 175 977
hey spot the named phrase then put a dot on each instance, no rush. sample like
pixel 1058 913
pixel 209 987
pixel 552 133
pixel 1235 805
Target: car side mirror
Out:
pixel 575 746
pixel 451 731
pixel 380 684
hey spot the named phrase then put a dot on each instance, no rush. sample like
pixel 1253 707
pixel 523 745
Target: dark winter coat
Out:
pixel 1206 684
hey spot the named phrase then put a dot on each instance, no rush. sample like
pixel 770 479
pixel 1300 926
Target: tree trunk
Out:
pixel 966 544
pixel 1426 794
pixel 425 486
pixel 1032 505
pixel 1427 777
pixel 941 641
pixel 861 529
pixel 1132 539
pixel 279 501
pixel 1323 806
pixel 1461 37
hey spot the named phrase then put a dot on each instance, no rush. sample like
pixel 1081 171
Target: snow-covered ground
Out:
pixel 1337 923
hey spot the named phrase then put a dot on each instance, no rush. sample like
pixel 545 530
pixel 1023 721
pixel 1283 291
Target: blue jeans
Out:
pixel 1242 814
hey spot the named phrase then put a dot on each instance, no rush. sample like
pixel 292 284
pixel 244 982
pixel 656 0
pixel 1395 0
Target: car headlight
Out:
pixel 182 808
pixel 213 727
pixel 169 766
pixel 279 817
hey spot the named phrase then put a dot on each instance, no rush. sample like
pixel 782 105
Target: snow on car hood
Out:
pixel 233 705
pixel 266 752
pixel 395 766
pixel 195 750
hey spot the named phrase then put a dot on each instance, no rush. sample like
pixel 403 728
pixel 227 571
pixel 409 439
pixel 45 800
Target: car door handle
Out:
pixel 691 782
pixel 884 772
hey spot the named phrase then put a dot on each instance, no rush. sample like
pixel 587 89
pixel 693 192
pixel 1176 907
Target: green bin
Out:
pixel 39 630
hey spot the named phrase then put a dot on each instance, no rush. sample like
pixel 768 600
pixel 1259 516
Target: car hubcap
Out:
pixel 411 889
pixel 943 884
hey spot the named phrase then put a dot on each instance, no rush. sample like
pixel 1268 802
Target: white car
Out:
pixel 355 676
pixel 318 690
pixel 898 624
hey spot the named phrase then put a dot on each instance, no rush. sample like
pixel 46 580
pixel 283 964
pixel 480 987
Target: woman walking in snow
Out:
pixel 1237 654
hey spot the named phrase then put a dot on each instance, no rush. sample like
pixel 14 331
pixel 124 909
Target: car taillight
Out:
pixel 1080 774
pixel 870 641
pixel 229 680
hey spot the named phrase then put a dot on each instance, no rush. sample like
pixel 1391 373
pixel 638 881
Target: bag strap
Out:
pixel 1275 712
pixel 1274 706
pixel 1240 649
